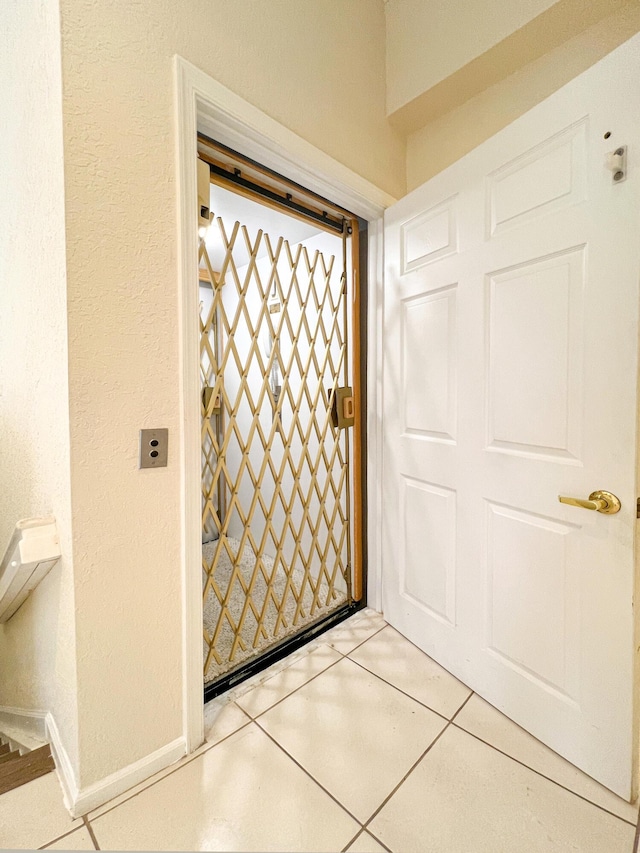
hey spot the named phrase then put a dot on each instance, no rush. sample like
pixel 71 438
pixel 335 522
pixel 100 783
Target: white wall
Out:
pixel 37 646
pixel 317 67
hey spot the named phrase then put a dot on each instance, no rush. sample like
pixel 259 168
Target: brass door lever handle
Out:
pixel 599 501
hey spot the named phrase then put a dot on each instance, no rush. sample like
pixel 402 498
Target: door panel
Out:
pixel 534 318
pixel 511 307
pixel 527 574
pixel 429 534
pixel 429 322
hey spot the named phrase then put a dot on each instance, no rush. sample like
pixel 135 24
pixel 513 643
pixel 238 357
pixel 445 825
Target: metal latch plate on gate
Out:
pixel 343 411
pixel 207 394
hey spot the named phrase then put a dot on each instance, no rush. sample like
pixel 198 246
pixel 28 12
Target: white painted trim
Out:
pixel 80 801
pixel 64 768
pixel 122 780
pixel 42 726
pixel 25 730
pixel 33 550
pixel 230 119
pixel 192 616
pixel 30 722
pixel 375 308
pixel 204 104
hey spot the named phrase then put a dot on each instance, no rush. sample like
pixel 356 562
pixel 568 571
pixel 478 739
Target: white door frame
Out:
pixel 204 104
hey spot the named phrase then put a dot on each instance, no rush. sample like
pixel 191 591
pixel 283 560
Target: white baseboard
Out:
pixel 33 728
pixel 80 801
pixel 117 783
pixel 63 764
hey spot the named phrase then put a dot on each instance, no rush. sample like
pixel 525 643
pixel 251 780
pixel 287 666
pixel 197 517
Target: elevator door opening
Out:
pixel 279 408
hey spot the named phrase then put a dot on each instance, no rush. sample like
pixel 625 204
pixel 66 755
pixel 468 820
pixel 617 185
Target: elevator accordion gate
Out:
pixel 277 480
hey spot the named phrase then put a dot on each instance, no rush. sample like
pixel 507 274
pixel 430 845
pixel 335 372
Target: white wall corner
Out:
pixel 32 729
pixel 63 764
pixel 80 801
pixel 122 780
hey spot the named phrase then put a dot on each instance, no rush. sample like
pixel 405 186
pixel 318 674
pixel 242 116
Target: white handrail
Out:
pixel 33 550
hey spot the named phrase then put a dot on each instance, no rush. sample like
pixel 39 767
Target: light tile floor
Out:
pixel 359 743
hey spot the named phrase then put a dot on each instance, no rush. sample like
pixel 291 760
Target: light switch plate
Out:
pixel 154 445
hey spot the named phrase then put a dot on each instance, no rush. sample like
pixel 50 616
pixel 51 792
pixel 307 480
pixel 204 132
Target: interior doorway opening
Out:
pixel 280 349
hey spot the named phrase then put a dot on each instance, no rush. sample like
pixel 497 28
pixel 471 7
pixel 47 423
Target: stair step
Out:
pixel 9 756
pixel 20 739
pixel 25 768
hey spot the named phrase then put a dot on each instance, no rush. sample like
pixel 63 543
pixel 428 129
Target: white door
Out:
pixel 511 309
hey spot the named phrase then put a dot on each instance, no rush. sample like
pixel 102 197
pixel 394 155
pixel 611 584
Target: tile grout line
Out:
pixel 468 699
pixel 408 695
pixel 355 838
pixel 362 832
pixel 532 769
pixel 262 677
pixel 295 689
pixel 313 779
pixel 297 661
pixel 90 831
pixel 365 825
pixel 343 655
pixel 187 760
pixel 250 719
pixel 376 839
pixel 548 778
pixel 233 702
pixel 60 837
pixel 370 637
pixel 522 763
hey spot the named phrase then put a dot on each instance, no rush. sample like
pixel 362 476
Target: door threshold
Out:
pixel 277 653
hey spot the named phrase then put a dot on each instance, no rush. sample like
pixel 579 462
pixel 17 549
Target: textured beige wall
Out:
pixel 444 140
pixel 316 67
pixel 428 40
pixel 37 646
pixel 539 36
